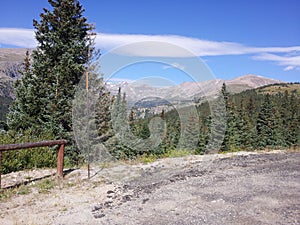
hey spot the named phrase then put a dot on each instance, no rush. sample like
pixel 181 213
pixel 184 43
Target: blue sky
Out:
pixel 232 37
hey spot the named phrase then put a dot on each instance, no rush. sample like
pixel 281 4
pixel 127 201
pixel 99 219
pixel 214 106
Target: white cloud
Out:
pixel 17 37
pixel 167 46
pixel 119 80
pixel 291 61
pixel 174 65
pixel 288 68
pixel 193 45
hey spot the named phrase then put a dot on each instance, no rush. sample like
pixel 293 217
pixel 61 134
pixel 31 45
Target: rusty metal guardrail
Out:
pixel 60 155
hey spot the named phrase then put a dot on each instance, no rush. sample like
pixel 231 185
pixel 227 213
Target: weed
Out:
pixel 7 193
pixel 145 158
pixel 23 190
pixel 176 153
pixel 45 185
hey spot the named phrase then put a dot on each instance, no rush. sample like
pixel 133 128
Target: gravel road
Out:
pixel 239 188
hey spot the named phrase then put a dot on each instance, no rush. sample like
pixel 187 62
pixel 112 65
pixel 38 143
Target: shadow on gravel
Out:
pixel 25 182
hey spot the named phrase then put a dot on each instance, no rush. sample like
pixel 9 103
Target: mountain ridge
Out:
pixel 188 91
pixel 11 61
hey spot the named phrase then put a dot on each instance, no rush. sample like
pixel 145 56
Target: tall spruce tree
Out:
pixel 294 120
pixel 231 136
pixel 218 122
pixel 265 123
pixel 64 45
pixel 103 108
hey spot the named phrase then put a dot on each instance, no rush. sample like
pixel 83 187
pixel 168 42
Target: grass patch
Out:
pixel 45 185
pixel 7 193
pixel 173 153
pixel 10 192
pixel 177 153
pixel 145 158
pixel 23 190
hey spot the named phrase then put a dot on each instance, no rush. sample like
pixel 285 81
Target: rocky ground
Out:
pixel 237 188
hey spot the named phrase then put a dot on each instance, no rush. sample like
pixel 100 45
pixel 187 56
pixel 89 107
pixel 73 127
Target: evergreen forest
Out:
pixel 43 108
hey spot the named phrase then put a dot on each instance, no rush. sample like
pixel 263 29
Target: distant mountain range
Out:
pixel 139 95
pixel 155 98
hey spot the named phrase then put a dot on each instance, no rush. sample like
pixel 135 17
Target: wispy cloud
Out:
pixel 118 80
pixel 288 68
pixel 174 65
pixel 290 61
pixel 196 46
pixel 168 46
pixel 17 37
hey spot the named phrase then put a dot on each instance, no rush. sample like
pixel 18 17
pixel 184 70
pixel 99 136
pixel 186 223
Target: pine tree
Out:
pixel 65 43
pixel 119 113
pixel 91 116
pixel 118 145
pixel 231 139
pixel 265 123
pixel 190 129
pixel 132 115
pixel 217 124
pixel 103 116
pixel 294 120
pixel 246 127
pixel 24 108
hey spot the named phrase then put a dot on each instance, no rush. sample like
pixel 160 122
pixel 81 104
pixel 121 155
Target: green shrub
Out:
pixel 27 158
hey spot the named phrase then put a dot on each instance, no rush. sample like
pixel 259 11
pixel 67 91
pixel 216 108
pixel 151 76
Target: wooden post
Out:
pixel 0 167
pixel 60 161
pixel 60 155
pixel 88 107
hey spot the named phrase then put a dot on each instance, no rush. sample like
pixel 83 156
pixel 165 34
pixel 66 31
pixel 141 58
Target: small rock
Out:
pixel 96 208
pixel 126 198
pixel 97 216
pixel 108 204
pixel 145 200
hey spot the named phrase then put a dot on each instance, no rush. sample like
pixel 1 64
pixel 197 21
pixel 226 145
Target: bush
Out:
pixel 27 158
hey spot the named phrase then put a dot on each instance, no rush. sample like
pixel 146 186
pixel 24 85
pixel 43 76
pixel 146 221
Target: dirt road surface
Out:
pixel 238 188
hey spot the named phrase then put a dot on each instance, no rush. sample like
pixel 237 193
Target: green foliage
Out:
pixel 253 120
pixel 45 185
pixel 147 158
pixel 53 71
pixel 102 110
pixel 119 145
pixel 175 153
pixel 27 158
pixel 23 190
pixel 189 129
pixel 23 110
pixel 44 95
pixel 5 102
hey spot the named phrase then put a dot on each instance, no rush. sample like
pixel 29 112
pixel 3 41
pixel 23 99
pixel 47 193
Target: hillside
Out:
pixel 280 88
pixel 10 63
pixel 254 119
pixel 148 98
pixel 11 60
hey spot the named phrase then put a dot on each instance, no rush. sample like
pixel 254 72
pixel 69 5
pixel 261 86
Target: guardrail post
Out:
pixel 60 155
pixel 60 161
pixel 0 167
